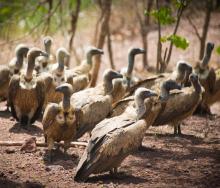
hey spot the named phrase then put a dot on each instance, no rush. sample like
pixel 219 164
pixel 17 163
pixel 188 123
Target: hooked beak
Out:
pixel 98 51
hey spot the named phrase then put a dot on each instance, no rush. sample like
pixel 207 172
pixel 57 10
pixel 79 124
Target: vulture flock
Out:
pixel 116 113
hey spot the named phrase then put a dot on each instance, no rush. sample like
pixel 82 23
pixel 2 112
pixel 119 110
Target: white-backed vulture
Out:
pixel 179 74
pixel 26 92
pixel 55 78
pixel 181 104
pixel 93 104
pixel 207 79
pixel 121 86
pixel 113 139
pixel 157 104
pixel 14 67
pixel 43 63
pixel 81 74
pixel 215 96
pixel 59 120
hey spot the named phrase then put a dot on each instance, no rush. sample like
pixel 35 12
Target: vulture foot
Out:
pixel 177 130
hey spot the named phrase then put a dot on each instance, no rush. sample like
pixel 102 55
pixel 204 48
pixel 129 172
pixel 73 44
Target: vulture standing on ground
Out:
pixel 59 120
pixel 43 64
pixel 81 74
pixel 93 104
pixel 112 140
pixel 55 78
pixel 207 79
pixel 180 75
pixel 14 67
pixel 27 92
pixel 181 104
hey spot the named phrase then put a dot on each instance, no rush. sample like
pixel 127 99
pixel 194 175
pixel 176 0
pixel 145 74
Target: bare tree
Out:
pixel 144 22
pixel 74 14
pixel 202 38
pixel 101 33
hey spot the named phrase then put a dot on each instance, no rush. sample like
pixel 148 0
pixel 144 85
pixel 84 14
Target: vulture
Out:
pixel 26 92
pixel 181 104
pixel 14 67
pixel 121 86
pixel 59 120
pixel 55 78
pixel 180 75
pixel 43 64
pixel 93 104
pixel 207 79
pixel 80 75
pixel 113 139
pixel 215 96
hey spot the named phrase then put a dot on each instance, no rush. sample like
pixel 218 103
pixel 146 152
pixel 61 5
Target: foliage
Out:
pixel 163 15
pixel 178 41
pixel 218 50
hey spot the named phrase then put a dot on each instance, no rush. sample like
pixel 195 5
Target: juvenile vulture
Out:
pixel 179 74
pixel 121 86
pixel 81 74
pixel 14 67
pixel 113 139
pixel 43 63
pixel 181 104
pixel 93 104
pixel 59 120
pixel 207 79
pixel 26 92
pixel 55 78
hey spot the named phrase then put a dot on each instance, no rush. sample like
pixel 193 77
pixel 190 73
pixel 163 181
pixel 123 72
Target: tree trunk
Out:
pixel 110 53
pixel 205 28
pixel 102 32
pixel 74 19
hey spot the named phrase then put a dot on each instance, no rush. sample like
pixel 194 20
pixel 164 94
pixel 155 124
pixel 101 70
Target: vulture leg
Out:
pixel 179 129
pixel 114 171
pixel 66 146
pixel 50 148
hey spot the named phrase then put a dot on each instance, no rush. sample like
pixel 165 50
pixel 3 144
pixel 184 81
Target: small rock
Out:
pixel 10 150
pixel 2 174
pixel 148 165
pixel 10 171
pixel 47 169
pixel 11 119
pixel 54 168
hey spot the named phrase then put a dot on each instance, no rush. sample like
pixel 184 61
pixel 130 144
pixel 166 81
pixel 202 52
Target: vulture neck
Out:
pixel 108 86
pixel 89 59
pixel 60 67
pixel 30 68
pixel 130 68
pixel 164 93
pixel 140 107
pixel 19 61
pixel 47 49
pixel 206 59
pixel 66 102
pixel 197 87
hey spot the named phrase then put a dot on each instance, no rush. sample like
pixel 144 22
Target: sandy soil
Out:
pixel 192 160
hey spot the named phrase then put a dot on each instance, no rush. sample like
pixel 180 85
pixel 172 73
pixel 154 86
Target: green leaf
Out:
pixel 178 41
pixel 163 39
pixel 218 50
pixel 164 15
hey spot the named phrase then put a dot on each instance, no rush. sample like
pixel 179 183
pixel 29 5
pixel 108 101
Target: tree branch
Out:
pixel 194 27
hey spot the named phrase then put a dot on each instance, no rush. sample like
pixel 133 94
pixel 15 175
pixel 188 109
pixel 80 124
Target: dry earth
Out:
pixel 192 160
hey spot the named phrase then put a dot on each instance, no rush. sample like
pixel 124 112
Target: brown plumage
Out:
pixel 180 75
pixel 207 78
pixel 55 78
pixel 27 92
pixel 180 105
pixel 215 95
pixel 113 139
pixel 94 104
pixel 43 64
pixel 81 74
pixel 14 67
pixel 59 119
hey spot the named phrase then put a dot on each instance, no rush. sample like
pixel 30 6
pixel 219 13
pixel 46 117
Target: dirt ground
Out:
pixel 192 160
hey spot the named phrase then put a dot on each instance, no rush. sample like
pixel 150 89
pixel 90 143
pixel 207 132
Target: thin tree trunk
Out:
pixel 74 19
pixel 110 53
pixel 159 45
pixel 179 15
pixel 50 7
pixel 205 28
pixel 101 33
